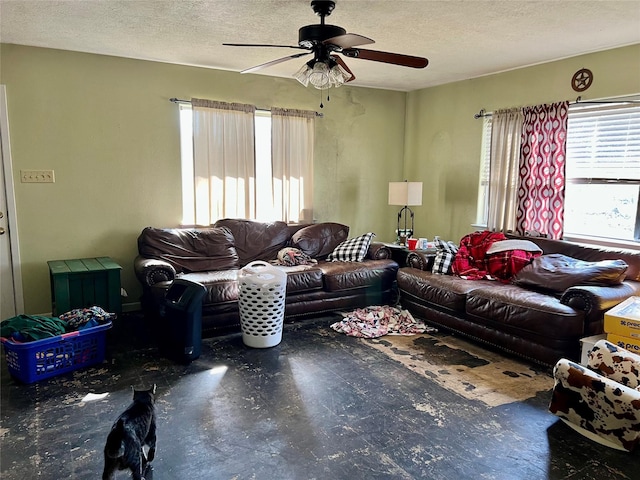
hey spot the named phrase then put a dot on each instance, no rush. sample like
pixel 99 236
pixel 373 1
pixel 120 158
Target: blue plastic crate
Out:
pixel 40 359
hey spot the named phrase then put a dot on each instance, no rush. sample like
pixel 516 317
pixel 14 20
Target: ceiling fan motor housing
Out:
pixel 311 35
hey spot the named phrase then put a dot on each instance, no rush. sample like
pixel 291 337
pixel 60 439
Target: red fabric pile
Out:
pixel 474 259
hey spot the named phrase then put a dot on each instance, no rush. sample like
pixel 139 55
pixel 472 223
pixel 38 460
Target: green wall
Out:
pixel 443 140
pixel 106 127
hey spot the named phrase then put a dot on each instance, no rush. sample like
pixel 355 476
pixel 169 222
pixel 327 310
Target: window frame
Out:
pixel 580 108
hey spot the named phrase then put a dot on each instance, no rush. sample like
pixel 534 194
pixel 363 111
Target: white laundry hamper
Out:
pixel 263 289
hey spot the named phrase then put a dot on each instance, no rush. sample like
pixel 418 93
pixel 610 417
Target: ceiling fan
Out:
pixel 324 41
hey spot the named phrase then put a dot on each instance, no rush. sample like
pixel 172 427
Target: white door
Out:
pixel 11 302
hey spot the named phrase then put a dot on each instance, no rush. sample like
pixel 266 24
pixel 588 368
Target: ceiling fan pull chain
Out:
pixel 321 105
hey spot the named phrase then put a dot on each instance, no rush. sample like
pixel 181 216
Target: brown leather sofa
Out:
pixel 214 256
pixel 541 321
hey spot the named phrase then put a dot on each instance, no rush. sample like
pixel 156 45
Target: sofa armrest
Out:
pixel 594 301
pixel 598 299
pixel 378 251
pixel 422 260
pixel 150 271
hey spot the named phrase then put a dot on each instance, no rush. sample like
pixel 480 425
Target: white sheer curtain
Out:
pixel 292 141
pixel 224 160
pixel 506 134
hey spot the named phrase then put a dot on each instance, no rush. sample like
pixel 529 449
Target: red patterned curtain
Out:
pixel 542 170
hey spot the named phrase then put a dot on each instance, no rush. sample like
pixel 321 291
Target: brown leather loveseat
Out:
pixel 543 315
pixel 213 256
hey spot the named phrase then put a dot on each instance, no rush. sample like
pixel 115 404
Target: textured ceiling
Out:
pixel 461 38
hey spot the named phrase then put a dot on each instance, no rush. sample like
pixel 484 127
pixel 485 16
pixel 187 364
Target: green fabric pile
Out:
pixel 27 328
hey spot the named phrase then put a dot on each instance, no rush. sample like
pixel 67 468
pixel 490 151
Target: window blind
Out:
pixel 603 144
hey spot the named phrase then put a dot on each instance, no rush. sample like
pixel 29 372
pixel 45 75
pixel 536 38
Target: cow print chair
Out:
pixel 602 399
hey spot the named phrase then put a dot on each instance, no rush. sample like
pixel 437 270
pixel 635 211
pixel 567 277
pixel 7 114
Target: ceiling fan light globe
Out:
pixel 319 76
pixel 338 75
pixel 302 75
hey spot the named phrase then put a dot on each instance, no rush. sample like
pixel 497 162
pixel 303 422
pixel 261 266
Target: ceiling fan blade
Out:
pixel 344 65
pixel 386 57
pixel 348 40
pixel 274 62
pixel 262 45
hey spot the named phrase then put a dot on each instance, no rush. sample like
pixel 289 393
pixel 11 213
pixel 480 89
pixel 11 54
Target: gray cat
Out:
pixel 134 429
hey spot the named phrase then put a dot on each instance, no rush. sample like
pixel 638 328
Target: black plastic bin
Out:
pixel 181 314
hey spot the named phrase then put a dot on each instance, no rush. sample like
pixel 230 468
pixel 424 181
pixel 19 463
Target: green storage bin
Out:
pixel 85 282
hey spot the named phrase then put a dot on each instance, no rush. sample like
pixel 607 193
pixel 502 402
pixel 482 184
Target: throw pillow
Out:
pixel 320 239
pixel 352 250
pixel 190 250
pixel 513 244
pixel 256 240
pixel 445 253
pixel 557 272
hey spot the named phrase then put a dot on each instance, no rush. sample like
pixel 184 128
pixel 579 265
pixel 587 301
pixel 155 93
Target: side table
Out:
pixel 85 282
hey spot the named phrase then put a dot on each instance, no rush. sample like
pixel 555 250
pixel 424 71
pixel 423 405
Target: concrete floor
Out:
pixel 318 406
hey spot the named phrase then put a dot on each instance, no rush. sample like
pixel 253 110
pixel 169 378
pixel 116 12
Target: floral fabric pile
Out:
pixel 80 318
pixel 374 322
pixel 290 257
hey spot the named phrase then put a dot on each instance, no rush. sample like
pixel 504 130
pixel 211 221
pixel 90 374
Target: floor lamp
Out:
pixel 405 194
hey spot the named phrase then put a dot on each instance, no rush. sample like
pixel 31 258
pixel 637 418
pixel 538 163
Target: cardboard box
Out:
pixel 624 319
pixel 630 344
pixel 586 344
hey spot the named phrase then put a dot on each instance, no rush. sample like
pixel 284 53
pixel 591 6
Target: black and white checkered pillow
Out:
pixel 445 253
pixel 352 250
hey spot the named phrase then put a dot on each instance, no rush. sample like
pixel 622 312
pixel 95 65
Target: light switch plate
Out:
pixel 37 176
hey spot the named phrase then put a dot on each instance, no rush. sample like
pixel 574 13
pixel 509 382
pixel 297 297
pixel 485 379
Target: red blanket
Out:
pixel 474 260
pixel 470 259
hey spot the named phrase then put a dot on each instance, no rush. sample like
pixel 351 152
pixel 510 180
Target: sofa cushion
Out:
pixel 446 292
pixel 591 253
pixel 320 239
pixel 190 250
pixel 352 275
pixel 352 250
pixel 524 313
pixel 256 240
pixel 557 272
pixel 223 286
pixel 303 278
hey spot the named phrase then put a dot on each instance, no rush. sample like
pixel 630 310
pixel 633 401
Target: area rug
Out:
pixel 466 368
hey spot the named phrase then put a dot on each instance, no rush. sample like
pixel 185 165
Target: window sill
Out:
pixel 603 242
pixel 592 241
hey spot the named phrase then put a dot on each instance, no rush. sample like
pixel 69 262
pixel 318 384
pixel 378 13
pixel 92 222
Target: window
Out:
pixel 603 171
pixel 483 189
pixel 186 154
pixel 267 207
pixel 264 185
pixel 602 188
pixel 239 162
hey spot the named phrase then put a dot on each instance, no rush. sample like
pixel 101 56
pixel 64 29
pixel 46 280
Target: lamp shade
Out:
pixel 405 193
